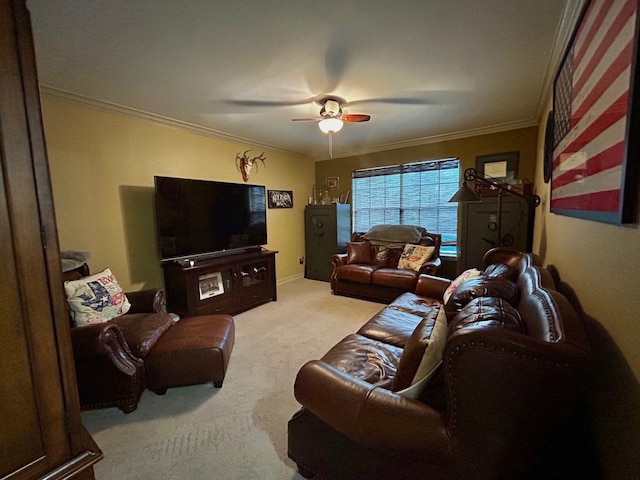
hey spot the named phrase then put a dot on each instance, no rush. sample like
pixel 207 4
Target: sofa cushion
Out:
pixel 391 326
pixel 415 256
pixel 96 299
pixel 387 256
pixel 466 275
pixel 502 270
pixel 395 277
pixel 356 273
pixel 421 356
pixel 143 330
pixel 481 287
pixel 412 303
pixel 370 360
pixel 359 252
pixel 488 312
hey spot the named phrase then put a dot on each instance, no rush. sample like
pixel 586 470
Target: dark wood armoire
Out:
pixel 41 435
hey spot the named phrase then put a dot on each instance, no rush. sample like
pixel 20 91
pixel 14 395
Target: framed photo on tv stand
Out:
pixel 210 285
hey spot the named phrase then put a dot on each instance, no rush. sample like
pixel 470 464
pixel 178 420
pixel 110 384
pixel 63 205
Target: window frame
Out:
pixel 411 180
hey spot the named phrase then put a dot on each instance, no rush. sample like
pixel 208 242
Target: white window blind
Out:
pixel 410 194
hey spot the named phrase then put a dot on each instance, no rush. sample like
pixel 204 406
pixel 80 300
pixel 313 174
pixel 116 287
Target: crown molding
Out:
pixel 474 132
pixel 141 114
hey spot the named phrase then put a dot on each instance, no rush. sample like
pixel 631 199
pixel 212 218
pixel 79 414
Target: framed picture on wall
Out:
pixel 333 183
pixel 280 198
pixel 502 167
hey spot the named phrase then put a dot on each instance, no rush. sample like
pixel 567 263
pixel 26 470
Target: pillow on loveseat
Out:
pixel 359 252
pixel 415 256
pixel 96 299
pixel 421 357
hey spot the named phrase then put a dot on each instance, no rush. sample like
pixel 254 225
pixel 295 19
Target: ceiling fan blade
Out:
pixel 396 101
pixel 306 119
pixel 355 117
pixel 270 103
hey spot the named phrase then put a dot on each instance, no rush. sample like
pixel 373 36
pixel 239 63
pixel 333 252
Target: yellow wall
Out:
pixel 466 149
pixel 600 261
pixel 102 167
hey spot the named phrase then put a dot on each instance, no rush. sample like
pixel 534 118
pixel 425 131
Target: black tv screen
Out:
pixel 196 218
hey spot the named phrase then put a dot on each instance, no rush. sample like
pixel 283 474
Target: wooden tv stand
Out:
pixel 227 284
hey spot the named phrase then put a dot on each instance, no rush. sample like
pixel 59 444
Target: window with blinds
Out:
pixel 410 194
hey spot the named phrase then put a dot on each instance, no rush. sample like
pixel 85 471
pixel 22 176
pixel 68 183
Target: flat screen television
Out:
pixel 204 218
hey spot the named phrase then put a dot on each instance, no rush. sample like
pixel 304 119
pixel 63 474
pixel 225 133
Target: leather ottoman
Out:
pixel 195 350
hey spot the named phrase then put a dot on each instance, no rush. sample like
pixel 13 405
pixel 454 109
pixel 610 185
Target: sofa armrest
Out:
pixel 106 342
pixel 338 259
pixel 431 267
pixel 152 300
pixel 430 286
pixel 508 387
pixel 370 415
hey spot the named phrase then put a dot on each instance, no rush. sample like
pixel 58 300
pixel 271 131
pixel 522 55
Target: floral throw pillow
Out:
pixel 415 256
pixel 96 299
pixel 466 275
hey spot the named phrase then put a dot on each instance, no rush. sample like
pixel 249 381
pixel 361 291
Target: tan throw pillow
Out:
pixel 96 299
pixel 415 256
pixel 430 338
pixel 359 252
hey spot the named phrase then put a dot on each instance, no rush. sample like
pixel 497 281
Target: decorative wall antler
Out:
pixel 244 163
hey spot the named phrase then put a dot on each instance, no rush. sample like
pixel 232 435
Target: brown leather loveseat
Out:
pixel 513 352
pixel 370 270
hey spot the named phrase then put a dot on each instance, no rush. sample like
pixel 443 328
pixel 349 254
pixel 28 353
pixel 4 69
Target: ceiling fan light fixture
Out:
pixel 332 125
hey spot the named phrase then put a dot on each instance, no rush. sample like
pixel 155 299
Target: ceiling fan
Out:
pixel 332 119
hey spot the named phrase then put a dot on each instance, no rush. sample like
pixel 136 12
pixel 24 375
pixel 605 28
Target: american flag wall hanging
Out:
pixel 594 174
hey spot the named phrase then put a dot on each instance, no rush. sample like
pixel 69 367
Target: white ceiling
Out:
pixel 424 70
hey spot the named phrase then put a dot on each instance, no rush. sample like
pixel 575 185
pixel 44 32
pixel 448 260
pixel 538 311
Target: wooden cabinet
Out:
pixel 327 229
pixel 42 435
pixel 230 284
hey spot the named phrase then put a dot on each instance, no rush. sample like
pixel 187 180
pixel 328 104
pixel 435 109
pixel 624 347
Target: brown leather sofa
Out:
pixel 369 269
pixel 506 383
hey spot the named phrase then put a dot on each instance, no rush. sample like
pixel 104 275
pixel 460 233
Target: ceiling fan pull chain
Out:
pixel 330 144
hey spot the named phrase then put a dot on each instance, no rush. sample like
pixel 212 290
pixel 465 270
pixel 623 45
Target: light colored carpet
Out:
pixel 240 430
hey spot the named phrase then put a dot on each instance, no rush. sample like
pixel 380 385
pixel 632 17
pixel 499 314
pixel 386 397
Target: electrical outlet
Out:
pixel 301 260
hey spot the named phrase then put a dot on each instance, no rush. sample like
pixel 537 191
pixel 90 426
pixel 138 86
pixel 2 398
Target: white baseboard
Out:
pixel 292 278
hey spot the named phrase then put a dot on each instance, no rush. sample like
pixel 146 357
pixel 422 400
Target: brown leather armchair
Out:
pixel 109 357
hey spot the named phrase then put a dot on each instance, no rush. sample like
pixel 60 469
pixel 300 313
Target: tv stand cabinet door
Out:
pixel 257 278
